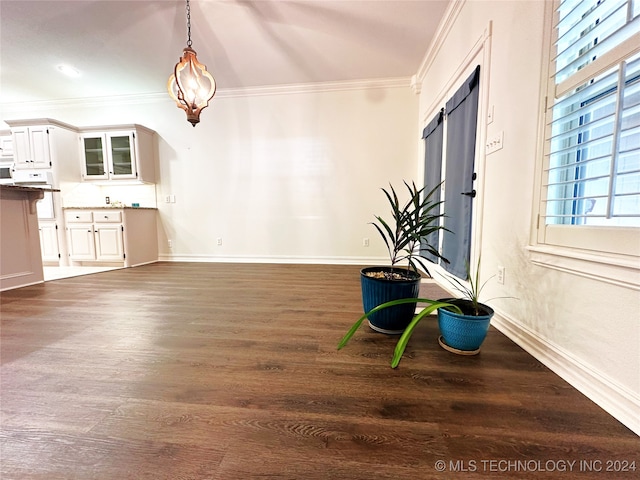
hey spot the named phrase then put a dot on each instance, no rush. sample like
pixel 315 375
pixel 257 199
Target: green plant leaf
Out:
pixel 382 306
pixel 391 303
pixel 413 221
pixel 408 331
pixel 389 233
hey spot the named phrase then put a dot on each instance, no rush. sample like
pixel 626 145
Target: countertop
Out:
pixel 22 188
pixel 109 208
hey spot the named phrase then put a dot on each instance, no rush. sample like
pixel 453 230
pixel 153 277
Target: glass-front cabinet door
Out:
pixel 95 158
pixel 109 156
pixel 121 155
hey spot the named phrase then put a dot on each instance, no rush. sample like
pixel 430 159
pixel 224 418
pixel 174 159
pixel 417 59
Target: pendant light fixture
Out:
pixel 190 85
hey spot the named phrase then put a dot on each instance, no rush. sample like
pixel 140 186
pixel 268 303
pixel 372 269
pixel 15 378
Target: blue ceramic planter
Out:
pixel 463 332
pixel 376 291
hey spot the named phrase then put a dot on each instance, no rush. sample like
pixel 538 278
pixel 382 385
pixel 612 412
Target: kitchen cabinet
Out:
pixel 6 145
pixel 49 245
pixel 45 144
pixel 120 236
pixel 31 147
pixel 109 237
pixel 117 154
pixel 95 236
pixel 80 242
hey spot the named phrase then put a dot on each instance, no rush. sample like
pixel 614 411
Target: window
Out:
pixel 591 180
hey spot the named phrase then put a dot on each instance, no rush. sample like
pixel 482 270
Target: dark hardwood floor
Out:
pixel 230 371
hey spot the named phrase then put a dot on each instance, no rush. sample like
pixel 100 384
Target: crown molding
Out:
pixel 450 17
pixel 366 84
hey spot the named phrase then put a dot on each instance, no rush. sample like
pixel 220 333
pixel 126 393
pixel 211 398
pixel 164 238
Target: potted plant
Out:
pixel 463 330
pixel 463 322
pixel 412 222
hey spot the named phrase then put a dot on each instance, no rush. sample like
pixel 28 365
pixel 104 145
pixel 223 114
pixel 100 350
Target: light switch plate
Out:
pixel 495 143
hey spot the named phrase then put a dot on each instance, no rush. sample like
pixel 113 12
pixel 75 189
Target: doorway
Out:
pixel 453 160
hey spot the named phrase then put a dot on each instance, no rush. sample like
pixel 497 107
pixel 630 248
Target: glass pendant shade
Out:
pixel 191 86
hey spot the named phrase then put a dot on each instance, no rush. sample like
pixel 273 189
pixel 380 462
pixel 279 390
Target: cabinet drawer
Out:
pixel 78 217
pixel 107 217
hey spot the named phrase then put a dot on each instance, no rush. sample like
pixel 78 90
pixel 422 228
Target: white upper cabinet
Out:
pixel 45 144
pixel 117 154
pixel 31 147
pixel 6 145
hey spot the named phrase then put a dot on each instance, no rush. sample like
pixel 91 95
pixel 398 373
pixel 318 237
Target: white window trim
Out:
pixel 575 251
pixel 622 271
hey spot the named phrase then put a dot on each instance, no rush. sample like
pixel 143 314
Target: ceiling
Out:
pixel 130 47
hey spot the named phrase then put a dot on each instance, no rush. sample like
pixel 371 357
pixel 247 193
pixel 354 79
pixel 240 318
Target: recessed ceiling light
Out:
pixel 68 70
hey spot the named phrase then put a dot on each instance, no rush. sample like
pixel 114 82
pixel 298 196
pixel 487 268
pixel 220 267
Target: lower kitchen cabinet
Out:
pixel 81 242
pixel 115 236
pixel 49 245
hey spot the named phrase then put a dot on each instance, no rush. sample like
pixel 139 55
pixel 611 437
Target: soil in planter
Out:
pixel 389 276
pixel 467 309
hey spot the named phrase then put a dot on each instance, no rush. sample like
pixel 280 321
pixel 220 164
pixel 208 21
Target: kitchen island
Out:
pixel 20 255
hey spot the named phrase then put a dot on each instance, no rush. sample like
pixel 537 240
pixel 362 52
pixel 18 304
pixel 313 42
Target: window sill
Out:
pixel 618 270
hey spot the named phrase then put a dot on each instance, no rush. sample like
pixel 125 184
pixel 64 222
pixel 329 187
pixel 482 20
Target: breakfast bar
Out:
pixel 20 255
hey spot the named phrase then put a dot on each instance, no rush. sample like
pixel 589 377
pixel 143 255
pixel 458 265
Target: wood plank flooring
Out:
pixel 230 371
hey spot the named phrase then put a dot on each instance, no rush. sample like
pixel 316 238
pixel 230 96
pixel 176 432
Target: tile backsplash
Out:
pixel 91 195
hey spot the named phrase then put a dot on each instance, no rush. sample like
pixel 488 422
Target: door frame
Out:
pixel 480 54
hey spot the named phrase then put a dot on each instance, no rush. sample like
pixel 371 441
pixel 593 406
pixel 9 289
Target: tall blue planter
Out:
pixel 376 291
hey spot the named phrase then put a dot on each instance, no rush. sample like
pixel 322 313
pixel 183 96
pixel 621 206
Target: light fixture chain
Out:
pixel 188 24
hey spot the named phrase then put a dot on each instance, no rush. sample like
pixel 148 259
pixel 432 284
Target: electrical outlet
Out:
pixel 170 243
pixel 107 200
pixel 219 241
pixel 365 242
pixel 500 275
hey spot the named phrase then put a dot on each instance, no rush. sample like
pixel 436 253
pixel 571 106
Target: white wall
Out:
pixel 586 330
pixel 287 177
pixel 280 177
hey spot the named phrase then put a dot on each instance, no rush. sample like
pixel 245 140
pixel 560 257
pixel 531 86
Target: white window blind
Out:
pixel 592 165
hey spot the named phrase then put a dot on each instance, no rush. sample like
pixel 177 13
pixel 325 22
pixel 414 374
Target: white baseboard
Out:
pixel 163 257
pixel 612 397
